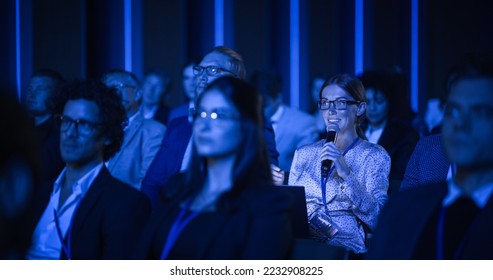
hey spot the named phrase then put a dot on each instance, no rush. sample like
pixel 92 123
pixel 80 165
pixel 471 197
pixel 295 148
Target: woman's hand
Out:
pixel 277 175
pixel 332 153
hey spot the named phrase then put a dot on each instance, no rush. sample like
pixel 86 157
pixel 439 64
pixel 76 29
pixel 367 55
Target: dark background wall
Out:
pixel 85 38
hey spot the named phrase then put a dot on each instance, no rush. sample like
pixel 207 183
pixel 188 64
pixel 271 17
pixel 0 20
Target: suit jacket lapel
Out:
pixel 90 199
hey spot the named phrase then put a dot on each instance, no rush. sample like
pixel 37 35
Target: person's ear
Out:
pixel 361 109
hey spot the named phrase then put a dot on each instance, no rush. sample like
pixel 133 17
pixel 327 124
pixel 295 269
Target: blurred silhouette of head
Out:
pixel 155 88
pixel 19 172
pixel 188 78
pixel 269 85
pixel 44 84
pixel 467 127
pixel 387 96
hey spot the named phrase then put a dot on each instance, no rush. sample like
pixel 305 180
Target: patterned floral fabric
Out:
pixel 350 202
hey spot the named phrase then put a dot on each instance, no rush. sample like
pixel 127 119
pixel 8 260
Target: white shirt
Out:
pixel 480 195
pixel 373 135
pixel 46 243
pixel 274 119
pixel 150 114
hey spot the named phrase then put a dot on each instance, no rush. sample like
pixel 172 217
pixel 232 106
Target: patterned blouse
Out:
pixel 350 202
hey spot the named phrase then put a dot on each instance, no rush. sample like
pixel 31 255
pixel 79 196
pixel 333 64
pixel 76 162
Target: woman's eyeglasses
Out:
pixel 339 104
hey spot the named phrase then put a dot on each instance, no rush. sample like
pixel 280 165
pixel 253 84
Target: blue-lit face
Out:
pixel 339 120
pixel 40 89
pixel 76 149
pixel 377 107
pixel 216 128
pixel 212 59
pixel 467 127
pixel 152 90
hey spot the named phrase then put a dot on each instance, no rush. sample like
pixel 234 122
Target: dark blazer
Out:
pixel 178 111
pixel 109 220
pixel 161 115
pixel 405 216
pixel 398 139
pixel 254 225
pixel 428 163
pixel 168 159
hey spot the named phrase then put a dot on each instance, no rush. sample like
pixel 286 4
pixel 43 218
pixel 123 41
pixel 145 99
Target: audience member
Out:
pixel 142 136
pixel 386 125
pixel 223 206
pixel 293 128
pixel 43 85
pixel 20 169
pixel 155 89
pixel 453 219
pixel 188 85
pixel 343 203
pixel 174 155
pixel 86 213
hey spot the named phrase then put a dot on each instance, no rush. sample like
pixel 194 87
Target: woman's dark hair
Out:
pixel 112 113
pixel 353 87
pixel 251 168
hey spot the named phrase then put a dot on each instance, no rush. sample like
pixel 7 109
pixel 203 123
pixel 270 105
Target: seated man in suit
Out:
pixel 175 151
pixel 453 219
pixel 293 128
pixel 44 84
pixel 86 213
pixel 142 136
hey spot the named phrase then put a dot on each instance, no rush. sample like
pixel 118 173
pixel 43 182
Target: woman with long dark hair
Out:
pixel 224 206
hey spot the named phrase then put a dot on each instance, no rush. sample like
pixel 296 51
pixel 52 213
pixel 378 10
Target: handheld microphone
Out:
pixel 331 136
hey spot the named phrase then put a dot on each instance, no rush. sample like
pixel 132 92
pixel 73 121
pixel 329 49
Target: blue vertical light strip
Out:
pixel 127 33
pixel 18 47
pixel 294 30
pixel 414 56
pixel 358 36
pixel 219 22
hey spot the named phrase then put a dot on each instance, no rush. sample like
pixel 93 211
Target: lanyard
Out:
pixel 324 180
pixel 178 225
pixel 66 244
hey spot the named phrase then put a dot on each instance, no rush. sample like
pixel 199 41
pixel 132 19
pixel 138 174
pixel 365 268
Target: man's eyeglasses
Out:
pixel 215 116
pixel 210 70
pixel 121 86
pixel 83 127
pixel 477 112
pixel 339 104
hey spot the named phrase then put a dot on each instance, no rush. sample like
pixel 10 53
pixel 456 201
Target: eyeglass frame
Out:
pixel 343 101
pixel 121 86
pixel 198 70
pixel 477 112
pixel 92 125
pixel 219 116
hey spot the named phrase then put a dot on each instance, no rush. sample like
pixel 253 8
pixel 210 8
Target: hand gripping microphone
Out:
pixel 331 136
